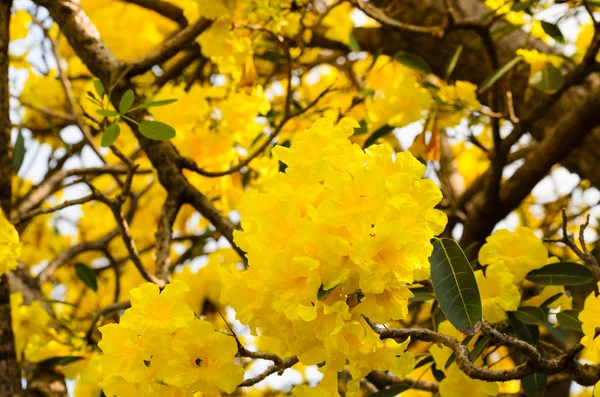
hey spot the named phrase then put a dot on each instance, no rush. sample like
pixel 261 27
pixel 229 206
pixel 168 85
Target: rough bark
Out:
pixel 10 374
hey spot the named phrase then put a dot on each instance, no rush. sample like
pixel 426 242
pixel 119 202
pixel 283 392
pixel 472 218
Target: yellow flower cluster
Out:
pixel 590 324
pixel 538 60
pixel 336 237
pixel 10 247
pixel 510 256
pixel 398 99
pixel 161 347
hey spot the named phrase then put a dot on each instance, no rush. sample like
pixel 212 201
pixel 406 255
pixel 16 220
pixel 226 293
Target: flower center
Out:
pixel 198 362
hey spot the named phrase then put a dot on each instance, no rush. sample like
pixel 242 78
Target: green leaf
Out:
pixel 322 294
pixel 421 294
pixel 126 101
pixel 498 74
pixel 529 333
pixel 561 273
pixel 63 360
pixel 534 385
pixel 110 135
pixel 548 80
pixel 156 130
pixel 426 360
pixel 455 285
pixel 519 5
pixel 63 303
pixel 553 31
pixel 380 133
pixel 478 349
pixel 391 392
pixel 107 113
pixel 157 103
pixel 87 276
pixel 569 319
pixel 530 315
pixel 414 62
pixel 505 30
pixel 99 88
pixel 452 62
pixel 18 152
pixel 353 43
pixel 551 300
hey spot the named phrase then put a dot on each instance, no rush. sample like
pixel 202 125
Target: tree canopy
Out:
pixel 299 197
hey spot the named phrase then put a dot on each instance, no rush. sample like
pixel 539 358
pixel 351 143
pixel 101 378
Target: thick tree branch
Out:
pixel 169 48
pixel 10 374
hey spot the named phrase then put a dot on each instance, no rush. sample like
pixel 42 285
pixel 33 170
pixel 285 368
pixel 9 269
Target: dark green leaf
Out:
pixel 519 5
pixel 505 30
pixel 421 294
pixel 478 349
pixel 437 374
pixel 380 133
pixel 18 152
pixel 156 130
pixel 157 103
pixel 126 101
pixel 529 333
pixel 63 303
pixel 569 319
pixel 353 43
pixel 452 62
pixel 107 113
pixel 548 80
pixel 414 62
pixel 561 273
pixel 110 135
pixel 87 276
pixel 99 88
pixel 391 392
pixel 534 385
pixel 64 360
pixel 426 360
pixel 498 74
pixel 455 286
pixel 322 294
pixel 361 129
pixel 530 315
pixel 551 300
pixel 553 31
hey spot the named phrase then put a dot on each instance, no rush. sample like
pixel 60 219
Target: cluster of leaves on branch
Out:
pixel 200 187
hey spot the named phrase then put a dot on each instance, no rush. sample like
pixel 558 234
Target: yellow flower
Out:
pixel 520 251
pixel 27 321
pixel 203 360
pixel 10 247
pixel 124 355
pixel 399 99
pixel 152 311
pixel 19 25
pixel 457 384
pixel 458 100
pixel 322 246
pixel 225 48
pixel 589 318
pixel 564 302
pixel 584 39
pixel 538 60
pixel 392 303
pixel 339 23
pixel 498 293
